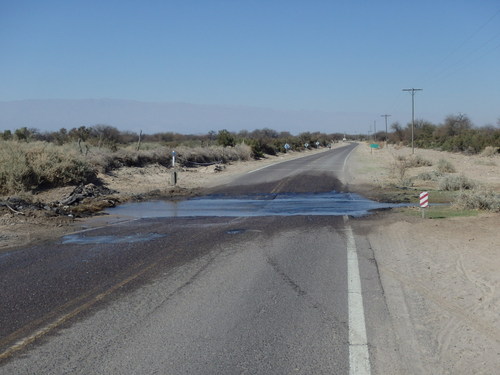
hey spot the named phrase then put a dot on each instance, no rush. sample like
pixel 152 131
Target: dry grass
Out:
pixel 490 151
pixel 402 164
pixel 478 199
pixel 455 183
pixel 30 166
pixel 444 166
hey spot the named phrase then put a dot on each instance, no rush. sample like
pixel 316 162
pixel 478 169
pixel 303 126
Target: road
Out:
pixel 204 295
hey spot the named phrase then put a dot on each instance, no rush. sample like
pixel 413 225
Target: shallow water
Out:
pixel 283 204
pixel 82 238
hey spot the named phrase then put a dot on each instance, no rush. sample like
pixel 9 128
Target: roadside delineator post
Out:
pixel 174 172
pixel 424 202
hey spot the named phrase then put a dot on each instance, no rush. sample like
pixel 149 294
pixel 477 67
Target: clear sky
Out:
pixel 349 57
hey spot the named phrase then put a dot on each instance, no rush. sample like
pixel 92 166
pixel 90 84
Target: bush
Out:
pixel 490 151
pixel 444 166
pixel 399 169
pixel 454 183
pixel 478 200
pixel 430 176
pixel 417 161
pixel 27 166
pixel 213 154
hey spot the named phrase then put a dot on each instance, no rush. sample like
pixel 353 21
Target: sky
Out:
pixel 347 60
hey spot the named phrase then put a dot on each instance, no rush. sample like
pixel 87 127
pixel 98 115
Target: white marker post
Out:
pixel 174 173
pixel 424 202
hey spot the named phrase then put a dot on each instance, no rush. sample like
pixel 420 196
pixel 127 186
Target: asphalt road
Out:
pixel 232 295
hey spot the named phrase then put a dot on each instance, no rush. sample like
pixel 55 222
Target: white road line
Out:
pixel 359 359
pixel 347 157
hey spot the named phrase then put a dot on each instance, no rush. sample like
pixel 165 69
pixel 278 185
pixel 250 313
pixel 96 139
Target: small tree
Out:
pixel 22 134
pixel 7 135
pixel 225 138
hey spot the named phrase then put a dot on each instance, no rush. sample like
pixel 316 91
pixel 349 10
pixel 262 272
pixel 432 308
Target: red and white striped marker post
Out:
pixel 424 202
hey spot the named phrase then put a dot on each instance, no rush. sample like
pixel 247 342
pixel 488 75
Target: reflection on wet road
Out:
pixel 282 204
pixel 81 238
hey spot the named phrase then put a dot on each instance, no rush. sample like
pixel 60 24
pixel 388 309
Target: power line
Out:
pixel 443 67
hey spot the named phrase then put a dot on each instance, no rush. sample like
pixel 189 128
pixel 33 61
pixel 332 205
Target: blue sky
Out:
pixel 336 57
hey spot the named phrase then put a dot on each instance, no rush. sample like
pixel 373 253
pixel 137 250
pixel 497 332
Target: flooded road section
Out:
pixel 280 204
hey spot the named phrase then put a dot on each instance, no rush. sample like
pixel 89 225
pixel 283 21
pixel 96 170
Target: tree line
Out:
pixel 457 134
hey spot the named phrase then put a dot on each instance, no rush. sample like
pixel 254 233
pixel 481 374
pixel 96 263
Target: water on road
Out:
pixel 282 204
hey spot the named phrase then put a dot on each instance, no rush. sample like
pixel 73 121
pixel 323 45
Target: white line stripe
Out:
pixel 347 157
pixel 359 359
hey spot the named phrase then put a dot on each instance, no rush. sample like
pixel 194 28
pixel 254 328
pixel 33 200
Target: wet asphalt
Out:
pixel 192 295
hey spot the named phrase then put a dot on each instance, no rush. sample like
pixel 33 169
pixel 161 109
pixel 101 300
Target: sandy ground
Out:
pixel 440 276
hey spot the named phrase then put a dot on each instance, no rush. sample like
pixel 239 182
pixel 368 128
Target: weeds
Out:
pixel 430 176
pixel 455 183
pixel 416 161
pixel 490 151
pixel 30 166
pixel 444 166
pixel 35 165
pixel 478 199
pixel 401 165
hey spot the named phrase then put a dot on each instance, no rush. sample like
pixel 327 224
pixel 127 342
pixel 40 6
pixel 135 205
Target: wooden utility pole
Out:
pixel 412 90
pixel 385 127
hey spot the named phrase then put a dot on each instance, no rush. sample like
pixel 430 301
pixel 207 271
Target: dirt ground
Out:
pixel 440 276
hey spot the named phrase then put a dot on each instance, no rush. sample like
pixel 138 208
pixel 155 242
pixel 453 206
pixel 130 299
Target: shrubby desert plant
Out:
pixel 430 176
pixel 26 166
pixel 454 183
pixel 213 154
pixel 490 151
pixel 417 161
pixel 444 166
pixel 478 199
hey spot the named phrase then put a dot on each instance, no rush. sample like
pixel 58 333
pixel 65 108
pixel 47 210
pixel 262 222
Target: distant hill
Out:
pixel 155 117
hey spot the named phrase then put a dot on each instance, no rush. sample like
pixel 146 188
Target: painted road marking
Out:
pixel 346 158
pixel 21 344
pixel 359 359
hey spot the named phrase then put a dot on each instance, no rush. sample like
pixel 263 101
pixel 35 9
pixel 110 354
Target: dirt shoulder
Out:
pixel 440 276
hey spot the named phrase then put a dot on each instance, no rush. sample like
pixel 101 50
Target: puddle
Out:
pixel 236 231
pixel 81 238
pixel 283 204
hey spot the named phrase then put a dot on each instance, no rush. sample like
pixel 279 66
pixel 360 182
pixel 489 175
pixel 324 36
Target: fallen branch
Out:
pixel 15 211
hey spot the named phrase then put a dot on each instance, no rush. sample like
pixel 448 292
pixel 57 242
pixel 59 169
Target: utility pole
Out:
pixel 385 127
pixel 412 90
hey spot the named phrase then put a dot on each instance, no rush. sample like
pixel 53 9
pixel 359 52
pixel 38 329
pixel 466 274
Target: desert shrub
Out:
pixel 490 151
pixel 478 199
pixel 444 166
pixel 454 183
pixel 213 154
pixel 415 161
pixel 430 176
pixel 399 169
pixel 105 160
pixel 24 166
